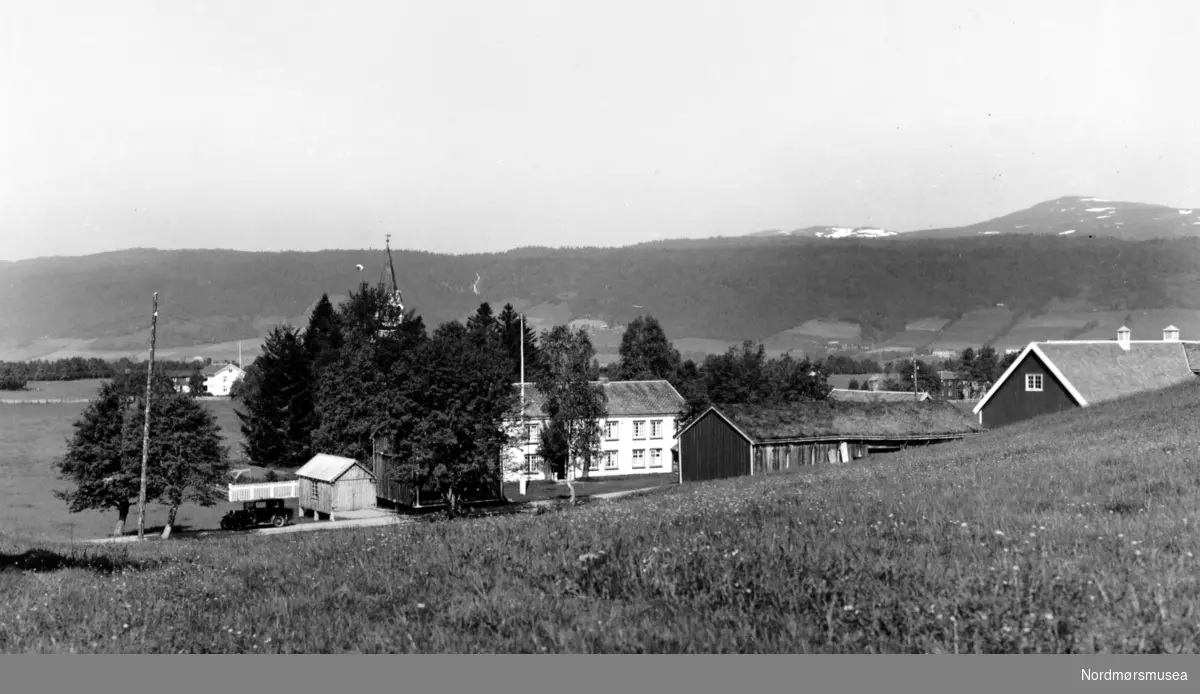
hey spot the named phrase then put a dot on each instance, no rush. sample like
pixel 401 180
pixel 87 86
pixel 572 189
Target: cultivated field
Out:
pixel 973 329
pixel 1072 533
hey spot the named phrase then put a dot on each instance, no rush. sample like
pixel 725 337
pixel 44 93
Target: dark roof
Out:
pixel 874 395
pixel 829 419
pixel 180 373
pixel 1094 371
pixel 625 398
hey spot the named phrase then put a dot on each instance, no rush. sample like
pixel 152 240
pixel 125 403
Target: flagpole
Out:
pixel 524 429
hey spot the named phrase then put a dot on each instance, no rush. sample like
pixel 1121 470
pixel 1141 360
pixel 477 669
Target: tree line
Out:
pixel 16 375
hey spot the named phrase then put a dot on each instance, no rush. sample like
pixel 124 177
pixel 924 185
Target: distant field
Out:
pixel 1148 324
pixel 33 435
pixel 927 324
pixel 702 344
pixel 823 330
pixel 65 349
pixel 912 339
pixel 973 329
pixel 55 390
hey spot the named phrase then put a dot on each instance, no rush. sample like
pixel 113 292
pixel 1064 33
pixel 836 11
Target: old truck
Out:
pixel 260 512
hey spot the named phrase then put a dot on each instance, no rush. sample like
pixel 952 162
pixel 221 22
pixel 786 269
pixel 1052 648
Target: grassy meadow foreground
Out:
pixel 1073 533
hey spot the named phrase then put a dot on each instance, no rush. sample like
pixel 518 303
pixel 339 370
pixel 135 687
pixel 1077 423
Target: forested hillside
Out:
pixel 722 288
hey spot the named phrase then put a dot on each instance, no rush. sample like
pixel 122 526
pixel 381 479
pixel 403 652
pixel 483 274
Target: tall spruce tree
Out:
pixel 277 409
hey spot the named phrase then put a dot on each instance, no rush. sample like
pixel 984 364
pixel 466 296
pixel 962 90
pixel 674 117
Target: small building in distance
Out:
pixel 739 440
pixel 1059 375
pixel 219 378
pixel 181 379
pixel 330 484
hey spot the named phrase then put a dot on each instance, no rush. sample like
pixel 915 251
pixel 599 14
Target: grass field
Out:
pixel 1071 533
pixel 973 329
pixel 55 390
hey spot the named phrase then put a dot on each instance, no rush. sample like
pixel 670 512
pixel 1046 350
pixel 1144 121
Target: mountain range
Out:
pixel 1063 216
pixel 815 291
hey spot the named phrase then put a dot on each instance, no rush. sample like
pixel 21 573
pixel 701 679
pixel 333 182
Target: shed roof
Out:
pixel 625 398
pixel 1094 371
pixel 214 369
pixel 846 395
pixel 830 419
pixel 326 468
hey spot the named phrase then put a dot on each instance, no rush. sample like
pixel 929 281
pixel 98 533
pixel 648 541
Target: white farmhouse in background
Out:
pixel 637 437
pixel 219 378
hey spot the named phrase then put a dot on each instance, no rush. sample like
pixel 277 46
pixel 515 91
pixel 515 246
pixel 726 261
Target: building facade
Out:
pixel 1054 376
pixel 637 436
pixel 219 378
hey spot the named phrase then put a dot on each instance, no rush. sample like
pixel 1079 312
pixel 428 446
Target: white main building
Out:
pixel 637 436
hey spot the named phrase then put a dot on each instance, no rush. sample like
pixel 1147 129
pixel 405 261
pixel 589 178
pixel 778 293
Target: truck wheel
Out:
pixel 279 521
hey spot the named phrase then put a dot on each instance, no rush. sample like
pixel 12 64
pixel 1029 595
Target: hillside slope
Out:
pixel 750 289
pixel 1072 533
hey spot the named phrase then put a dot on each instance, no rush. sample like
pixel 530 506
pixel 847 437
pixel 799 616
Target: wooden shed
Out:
pixel 330 484
pixel 740 440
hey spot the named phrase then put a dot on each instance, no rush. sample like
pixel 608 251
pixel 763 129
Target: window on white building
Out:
pixel 639 458
pixel 533 463
pixel 655 457
pixel 656 429
pixel 1033 382
pixel 531 431
pixel 610 430
pixel 610 460
pixel 639 429
pixel 594 463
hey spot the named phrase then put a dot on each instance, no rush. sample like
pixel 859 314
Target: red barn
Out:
pixel 1053 376
pixel 739 440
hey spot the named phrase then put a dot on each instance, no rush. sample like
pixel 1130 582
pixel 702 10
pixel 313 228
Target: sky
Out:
pixel 480 126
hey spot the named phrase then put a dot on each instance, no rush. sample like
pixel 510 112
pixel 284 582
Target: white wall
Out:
pixel 623 446
pixel 220 384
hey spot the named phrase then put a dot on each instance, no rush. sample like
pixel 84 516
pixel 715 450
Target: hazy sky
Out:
pixel 486 125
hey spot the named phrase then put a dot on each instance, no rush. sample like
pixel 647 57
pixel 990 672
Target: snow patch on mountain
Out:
pixel 1068 231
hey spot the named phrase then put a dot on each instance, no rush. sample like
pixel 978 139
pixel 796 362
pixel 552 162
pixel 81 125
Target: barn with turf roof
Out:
pixel 1053 376
pixel 752 440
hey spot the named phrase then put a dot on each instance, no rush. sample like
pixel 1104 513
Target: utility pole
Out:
pixel 146 429
pixel 916 395
pixel 524 430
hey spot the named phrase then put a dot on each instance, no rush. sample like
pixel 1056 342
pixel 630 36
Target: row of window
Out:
pixel 609 459
pixel 612 430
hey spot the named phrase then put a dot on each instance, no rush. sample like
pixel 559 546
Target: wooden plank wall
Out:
pixel 784 457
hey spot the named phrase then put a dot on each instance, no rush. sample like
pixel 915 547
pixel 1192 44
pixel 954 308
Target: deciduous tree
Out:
pixel 645 352
pixel 573 404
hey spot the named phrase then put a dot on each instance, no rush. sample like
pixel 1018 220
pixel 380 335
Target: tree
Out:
pixel 791 380
pixel 186 458
pixel 645 352
pixel 927 379
pixel 986 366
pixel 196 384
pixel 448 414
pixel 573 405
pixel 323 336
pixel 738 375
pixel 853 385
pixel 510 329
pixel 104 456
pixel 278 412
pixel 689 382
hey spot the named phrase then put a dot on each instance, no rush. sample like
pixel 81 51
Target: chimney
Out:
pixel 1170 334
pixel 1123 337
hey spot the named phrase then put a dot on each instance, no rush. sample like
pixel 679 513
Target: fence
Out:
pixel 265 490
